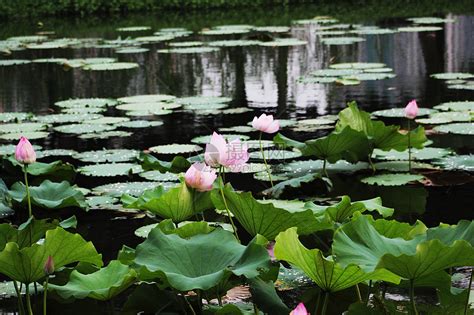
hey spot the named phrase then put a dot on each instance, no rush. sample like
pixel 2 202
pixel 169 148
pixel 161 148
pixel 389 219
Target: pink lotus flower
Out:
pixel 411 110
pixel 300 310
pixel 24 152
pixel 266 124
pixel 49 266
pixel 200 176
pixel 219 152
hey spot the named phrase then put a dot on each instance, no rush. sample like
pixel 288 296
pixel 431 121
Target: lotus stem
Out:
pixel 28 300
pixel 189 305
pixel 409 147
pixel 255 309
pixel 221 188
pixel 45 294
pixel 325 172
pixel 325 303
pixel 371 163
pixel 317 303
pixel 25 171
pixel 466 306
pixel 21 307
pixel 412 296
pixel 368 291
pixel 264 159
pixel 359 296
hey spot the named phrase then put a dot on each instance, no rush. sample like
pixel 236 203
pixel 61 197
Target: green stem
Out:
pixel 317 303
pixel 359 296
pixel 25 171
pixel 372 166
pixel 45 294
pixel 325 172
pixel 409 147
pixel 264 159
pixel 221 188
pixel 368 291
pixel 255 309
pixel 412 296
pixel 466 306
pixel 21 307
pixel 28 300
pixel 189 305
pixel 325 303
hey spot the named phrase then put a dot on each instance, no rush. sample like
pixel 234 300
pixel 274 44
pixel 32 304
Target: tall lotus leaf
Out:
pixel 50 195
pixel 101 285
pixel 265 218
pixel 324 271
pixel 177 165
pixel 55 171
pixel 279 188
pixel 178 203
pixel 26 265
pixel 448 234
pixel 200 262
pixel 5 200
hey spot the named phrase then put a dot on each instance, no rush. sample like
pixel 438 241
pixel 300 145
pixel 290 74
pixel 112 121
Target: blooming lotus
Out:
pixel 411 110
pixel 300 309
pixel 200 176
pixel 24 152
pixel 231 154
pixel 266 123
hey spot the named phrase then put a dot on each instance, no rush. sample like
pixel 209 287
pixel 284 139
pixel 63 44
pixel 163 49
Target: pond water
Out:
pixel 262 78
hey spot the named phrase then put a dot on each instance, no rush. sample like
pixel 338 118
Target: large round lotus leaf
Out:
pixel 110 169
pixel 87 102
pixel 55 153
pixel 236 110
pixel 132 50
pixel 427 153
pixel 398 179
pixel 111 66
pixel 83 110
pixel 28 38
pixel 149 98
pixel 107 120
pixel 378 70
pixel 208 109
pixel 175 148
pixel 272 29
pixel 400 112
pixel 14 116
pixel 22 127
pixel 348 81
pixel 300 168
pixel 433 121
pixel 465 86
pixel 155 38
pixel 9 149
pixel 13 62
pixel 330 33
pixel 278 42
pixel 49 60
pixel 130 188
pixel 452 75
pixel 452 116
pixel 188 50
pixel 186 44
pixel 134 28
pixel 83 128
pixel 202 100
pixel 139 124
pixel 335 72
pixel 101 202
pixel 110 155
pixel 317 20
pixel 228 137
pixel 275 154
pixel 105 135
pixel 175 34
pixel 202 261
pixel 263 176
pixel 77 63
pixel 341 40
pixel 101 285
pixel 145 230
pixel 158 176
pixel 48 45
pixel 234 43
pixel 234 27
pixel 420 29
pixel 357 65
pixel 312 80
pixel 401 166
pixel 241 129
pixel 66 118
pixel 370 76
pixel 149 107
pixel 311 128
pixel 458 128
pixel 429 20
pixel 142 113
pixel 373 31
pixel 30 135
pixel 173 30
pixel 456 106
pixel 225 31
pixel 458 162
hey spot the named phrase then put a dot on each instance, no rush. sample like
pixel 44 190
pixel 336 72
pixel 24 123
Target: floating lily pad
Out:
pixel 30 135
pixel 158 176
pixel 83 110
pixel 148 98
pixel 110 169
pixel 316 121
pixel 272 29
pixel 28 38
pixel 236 110
pixel 225 31
pixel 452 116
pixel 457 128
pixel 373 31
pixel 100 202
pixel 335 72
pixel 433 121
pixel 313 80
pixel 189 50
pixel 452 75
pixel 330 33
pixel 130 188
pixel 456 106
pixel 175 148
pixel 429 20
pixel 139 124
pixel 48 45
pixel 142 113
pixel 13 62
pixel 458 162
pixel 427 153
pixel 55 153
pixel 134 28
pixel 49 60
pixel 105 135
pixel 400 112
pixel 228 137
pixel 87 102
pixel 234 43
pixel 9 149
pixel 132 50
pixel 398 179
pixel 275 154
pixel 148 107
pixel 370 76
pixel 155 38
pixel 278 42
pixel 208 109
pixel 22 127
pixel 316 20
pixel 186 44
pixel 263 176
pixel 14 116
pixel 401 166
pixel 348 81
pixel 357 65
pixel 465 86
pixel 111 66
pixel 66 118
pixel 110 155
pixel 420 29
pixel 241 129
pixel 341 40
pixel 107 120
pixel 83 128
pixel 202 100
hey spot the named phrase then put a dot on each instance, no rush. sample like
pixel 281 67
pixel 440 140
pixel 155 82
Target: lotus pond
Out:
pixel 353 208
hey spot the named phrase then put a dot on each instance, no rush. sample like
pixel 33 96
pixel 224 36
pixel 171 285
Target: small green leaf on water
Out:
pixel 398 179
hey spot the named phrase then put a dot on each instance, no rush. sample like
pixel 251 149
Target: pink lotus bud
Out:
pixel 200 176
pixel 300 310
pixel 24 152
pixel 49 266
pixel 266 124
pixel 411 110
pixel 220 153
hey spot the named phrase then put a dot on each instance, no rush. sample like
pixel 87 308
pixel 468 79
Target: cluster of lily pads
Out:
pixel 209 238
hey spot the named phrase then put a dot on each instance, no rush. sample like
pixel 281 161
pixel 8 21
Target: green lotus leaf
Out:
pixel 458 162
pixel 139 124
pixel 266 298
pixel 86 102
pixel 265 218
pixel 54 171
pixel 186 44
pixel 357 65
pixel 300 168
pixel 13 62
pixel 84 128
pixel 22 127
pixel 189 50
pixel 131 188
pixel 234 43
pixel 401 166
pixel 456 128
pixel 101 285
pixel 281 42
pixel 110 169
pixel 185 229
pixel 112 66
pixel 458 106
pixel 448 234
pixel 134 28
pixel 341 40
pixel 178 203
pixel 452 75
pixel 203 100
pixel 324 271
pixel 14 116
pixel 107 120
pixel 30 135
pixel 400 112
pixel 105 135
pixel 151 107
pixel 420 29
pixel 398 179
pixel 175 148
pixel 296 182
pixel 110 155
pixel 26 265
pixel 5 201
pixel 149 98
pixel 272 29
pixel 228 137
pixel 202 261
pixel 453 116
pixel 101 202
pixel 158 176
pixel 177 165
pixel 50 195
pixel 430 20
pixel 428 153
